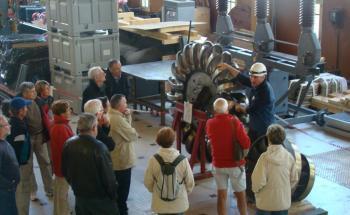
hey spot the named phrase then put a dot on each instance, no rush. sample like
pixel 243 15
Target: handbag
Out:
pixel 238 152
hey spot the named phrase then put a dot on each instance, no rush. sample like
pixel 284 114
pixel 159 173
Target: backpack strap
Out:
pixel 178 160
pixel 174 163
pixel 159 159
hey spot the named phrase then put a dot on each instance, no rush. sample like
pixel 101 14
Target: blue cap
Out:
pixel 18 103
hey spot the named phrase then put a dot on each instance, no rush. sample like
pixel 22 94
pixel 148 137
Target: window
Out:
pixel 145 3
pixel 317 19
pixel 231 4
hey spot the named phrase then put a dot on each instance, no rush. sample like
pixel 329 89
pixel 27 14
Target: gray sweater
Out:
pixel 34 120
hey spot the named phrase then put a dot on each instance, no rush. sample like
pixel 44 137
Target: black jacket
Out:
pixel 9 168
pixel 20 140
pixel 92 91
pixel 87 167
pixel 102 136
pixel 113 86
pixel 261 107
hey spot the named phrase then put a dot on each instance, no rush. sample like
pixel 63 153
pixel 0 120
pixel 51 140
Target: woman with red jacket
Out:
pixel 222 130
pixel 60 132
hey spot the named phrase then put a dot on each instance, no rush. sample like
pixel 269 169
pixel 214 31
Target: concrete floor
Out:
pixel 310 139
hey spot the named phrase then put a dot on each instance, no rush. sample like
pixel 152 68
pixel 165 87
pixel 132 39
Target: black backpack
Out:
pixel 167 183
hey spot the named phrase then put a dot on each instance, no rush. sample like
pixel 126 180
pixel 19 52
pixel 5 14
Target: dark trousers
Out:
pixel 123 178
pixel 261 212
pixel 8 202
pixel 85 206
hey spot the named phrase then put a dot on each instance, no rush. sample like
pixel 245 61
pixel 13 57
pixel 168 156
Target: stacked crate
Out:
pixel 81 34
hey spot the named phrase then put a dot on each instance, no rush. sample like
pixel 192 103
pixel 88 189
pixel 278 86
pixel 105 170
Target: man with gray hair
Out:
pixel 116 80
pixel 38 136
pixel 124 155
pixel 223 130
pixel 274 175
pixel 96 87
pixel 87 167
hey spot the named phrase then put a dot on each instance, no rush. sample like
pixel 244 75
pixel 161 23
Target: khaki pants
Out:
pixel 60 196
pixel 23 189
pixel 42 155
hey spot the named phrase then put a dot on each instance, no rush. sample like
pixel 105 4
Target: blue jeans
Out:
pixel 8 202
pixel 261 212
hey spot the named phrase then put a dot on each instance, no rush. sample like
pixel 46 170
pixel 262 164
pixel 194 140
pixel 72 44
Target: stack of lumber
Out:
pixel 334 103
pixel 166 32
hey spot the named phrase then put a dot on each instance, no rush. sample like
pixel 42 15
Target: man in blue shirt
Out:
pixel 261 107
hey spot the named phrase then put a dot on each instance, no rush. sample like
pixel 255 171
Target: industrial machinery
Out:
pixel 197 79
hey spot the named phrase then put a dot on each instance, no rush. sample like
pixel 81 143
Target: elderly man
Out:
pixel 95 107
pixel 38 137
pixel 96 86
pixel 87 167
pixel 261 108
pixel 222 130
pixel 123 155
pixel 274 175
pixel 9 171
pixel 116 81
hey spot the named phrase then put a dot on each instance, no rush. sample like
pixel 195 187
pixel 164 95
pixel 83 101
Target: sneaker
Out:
pixel 33 196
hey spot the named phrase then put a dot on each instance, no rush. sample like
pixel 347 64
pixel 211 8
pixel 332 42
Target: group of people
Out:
pixel 96 160
pixel 274 174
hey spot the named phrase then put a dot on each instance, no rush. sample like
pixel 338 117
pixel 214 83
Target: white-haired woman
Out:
pixel 94 106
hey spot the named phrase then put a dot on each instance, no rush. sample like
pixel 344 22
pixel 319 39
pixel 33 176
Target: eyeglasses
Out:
pixel 5 125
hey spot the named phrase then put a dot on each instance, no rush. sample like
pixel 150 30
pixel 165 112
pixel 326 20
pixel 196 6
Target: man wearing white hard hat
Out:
pixel 261 107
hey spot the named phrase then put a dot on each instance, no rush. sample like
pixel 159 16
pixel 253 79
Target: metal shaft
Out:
pixel 262 9
pixel 306 13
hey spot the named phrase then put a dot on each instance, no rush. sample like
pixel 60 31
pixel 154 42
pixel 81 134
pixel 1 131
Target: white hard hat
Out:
pixel 258 69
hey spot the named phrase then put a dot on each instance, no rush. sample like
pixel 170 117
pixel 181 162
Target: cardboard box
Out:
pixel 152 6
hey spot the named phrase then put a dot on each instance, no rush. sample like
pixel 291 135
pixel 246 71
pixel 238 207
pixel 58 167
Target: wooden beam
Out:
pixel 144 21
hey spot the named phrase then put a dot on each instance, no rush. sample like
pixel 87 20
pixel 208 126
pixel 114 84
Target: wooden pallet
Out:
pixel 333 105
pixel 166 32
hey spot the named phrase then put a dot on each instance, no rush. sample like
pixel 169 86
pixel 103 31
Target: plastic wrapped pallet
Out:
pixel 330 83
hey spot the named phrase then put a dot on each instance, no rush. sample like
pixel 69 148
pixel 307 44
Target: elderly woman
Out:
pixel 274 175
pixel 94 106
pixel 95 87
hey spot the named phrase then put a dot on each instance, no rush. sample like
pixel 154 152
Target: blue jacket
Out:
pixel 9 168
pixel 20 140
pixel 261 107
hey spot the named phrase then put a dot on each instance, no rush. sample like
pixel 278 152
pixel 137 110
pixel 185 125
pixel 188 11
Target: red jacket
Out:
pixel 219 131
pixel 59 133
